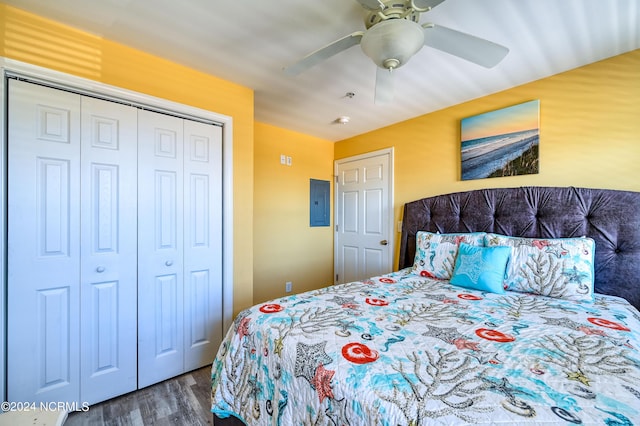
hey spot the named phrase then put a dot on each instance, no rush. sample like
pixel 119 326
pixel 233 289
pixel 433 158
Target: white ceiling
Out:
pixel 249 41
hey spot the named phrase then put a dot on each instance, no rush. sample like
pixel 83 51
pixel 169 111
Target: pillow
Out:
pixel 436 253
pixel 554 267
pixel 481 268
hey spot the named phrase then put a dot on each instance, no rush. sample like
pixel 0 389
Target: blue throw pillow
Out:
pixel 481 268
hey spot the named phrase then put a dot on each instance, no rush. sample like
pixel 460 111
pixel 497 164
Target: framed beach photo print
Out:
pixel 501 143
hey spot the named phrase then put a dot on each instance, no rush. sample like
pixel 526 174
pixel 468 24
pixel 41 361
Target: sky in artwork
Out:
pixel 503 121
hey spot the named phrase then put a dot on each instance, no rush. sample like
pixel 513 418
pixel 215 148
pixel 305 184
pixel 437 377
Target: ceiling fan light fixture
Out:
pixel 390 44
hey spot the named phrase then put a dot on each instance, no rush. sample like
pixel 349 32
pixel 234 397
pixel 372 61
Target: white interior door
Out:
pixel 202 243
pixel 363 237
pixel 108 250
pixel 43 244
pixel 160 247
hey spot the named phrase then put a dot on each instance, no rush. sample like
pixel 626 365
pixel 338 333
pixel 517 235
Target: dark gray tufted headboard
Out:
pixel 610 217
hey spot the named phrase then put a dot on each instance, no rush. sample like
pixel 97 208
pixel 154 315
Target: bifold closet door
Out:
pixel 108 250
pixel 43 273
pixel 179 247
pixel 202 243
pixel 160 247
pixel 71 246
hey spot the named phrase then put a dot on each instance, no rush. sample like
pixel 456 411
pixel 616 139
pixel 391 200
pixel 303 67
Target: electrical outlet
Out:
pixel 288 161
pixel 287 286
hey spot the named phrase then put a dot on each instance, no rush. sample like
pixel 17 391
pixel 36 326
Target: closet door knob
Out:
pixel 169 262
pixel 100 269
pixel 384 242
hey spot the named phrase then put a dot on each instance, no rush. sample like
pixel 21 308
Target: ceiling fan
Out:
pixel 393 35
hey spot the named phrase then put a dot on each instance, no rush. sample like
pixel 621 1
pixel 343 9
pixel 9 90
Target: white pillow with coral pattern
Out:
pixel 553 267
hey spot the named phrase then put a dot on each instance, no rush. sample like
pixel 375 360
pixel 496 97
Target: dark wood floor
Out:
pixel 184 400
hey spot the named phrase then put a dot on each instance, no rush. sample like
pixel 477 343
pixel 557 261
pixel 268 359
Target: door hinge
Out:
pixel 336 228
pixel 336 277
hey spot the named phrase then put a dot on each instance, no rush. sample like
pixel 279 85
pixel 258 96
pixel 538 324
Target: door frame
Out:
pixel 12 68
pixel 391 219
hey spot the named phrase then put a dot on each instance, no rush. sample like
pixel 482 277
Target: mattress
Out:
pixel 404 349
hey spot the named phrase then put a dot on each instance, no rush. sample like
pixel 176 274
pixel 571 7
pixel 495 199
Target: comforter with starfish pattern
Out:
pixel 401 349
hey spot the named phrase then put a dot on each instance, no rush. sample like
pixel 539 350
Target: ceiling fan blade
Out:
pixel 473 49
pixel 324 53
pixel 370 4
pixel 384 86
pixel 426 4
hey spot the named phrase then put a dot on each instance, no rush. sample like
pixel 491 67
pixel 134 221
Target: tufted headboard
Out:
pixel 610 217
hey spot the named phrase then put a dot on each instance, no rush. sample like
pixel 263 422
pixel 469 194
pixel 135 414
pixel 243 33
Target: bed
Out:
pixel 509 306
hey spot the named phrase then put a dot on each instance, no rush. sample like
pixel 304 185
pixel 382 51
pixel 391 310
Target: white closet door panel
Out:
pixel 108 250
pixel 160 247
pixel 203 243
pixel 43 244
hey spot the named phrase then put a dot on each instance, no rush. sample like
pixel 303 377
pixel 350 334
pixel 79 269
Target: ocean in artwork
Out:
pixel 484 156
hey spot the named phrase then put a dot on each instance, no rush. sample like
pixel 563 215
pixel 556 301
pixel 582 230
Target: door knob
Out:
pixel 100 269
pixel 169 262
pixel 383 242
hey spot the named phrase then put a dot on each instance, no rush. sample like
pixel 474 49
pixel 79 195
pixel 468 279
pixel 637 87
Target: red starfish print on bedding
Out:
pixel 322 382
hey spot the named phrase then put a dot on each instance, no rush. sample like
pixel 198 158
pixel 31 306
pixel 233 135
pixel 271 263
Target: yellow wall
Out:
pixel 32 39
pixel 286 248
pixel 589 135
